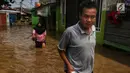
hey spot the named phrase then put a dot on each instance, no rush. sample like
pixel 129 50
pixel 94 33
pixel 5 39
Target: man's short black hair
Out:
pixel 86 4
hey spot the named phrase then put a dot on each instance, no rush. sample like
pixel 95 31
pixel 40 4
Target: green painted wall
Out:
pixel 100 34
pixel 126 48
pixel 59 26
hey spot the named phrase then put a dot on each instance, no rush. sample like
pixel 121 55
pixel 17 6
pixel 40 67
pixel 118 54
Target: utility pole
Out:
pixel 21 6
pixel 31 4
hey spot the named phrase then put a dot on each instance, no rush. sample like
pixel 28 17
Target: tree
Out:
pixel 6 2
pixel 12 1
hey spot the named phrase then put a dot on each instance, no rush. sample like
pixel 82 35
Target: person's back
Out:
pixel 39 36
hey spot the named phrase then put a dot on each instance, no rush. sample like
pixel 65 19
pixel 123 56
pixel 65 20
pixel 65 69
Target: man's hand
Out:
pixel 63 56
pixel 70 69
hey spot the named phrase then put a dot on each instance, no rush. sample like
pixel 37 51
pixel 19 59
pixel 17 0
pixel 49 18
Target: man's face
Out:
pixel 88 17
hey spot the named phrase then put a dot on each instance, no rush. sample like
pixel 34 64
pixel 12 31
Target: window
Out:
pixel 98 19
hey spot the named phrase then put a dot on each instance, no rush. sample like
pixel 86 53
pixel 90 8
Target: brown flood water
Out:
pixel 18 55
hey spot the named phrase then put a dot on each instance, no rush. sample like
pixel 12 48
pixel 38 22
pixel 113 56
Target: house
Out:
pixel 106 33
pixel 117 35
pixel 64 13
pixel 7 17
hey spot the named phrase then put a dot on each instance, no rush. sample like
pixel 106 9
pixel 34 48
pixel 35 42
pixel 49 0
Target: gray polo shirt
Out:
pixel 79 47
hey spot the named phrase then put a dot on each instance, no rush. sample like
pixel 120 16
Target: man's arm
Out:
pixel 64 42
pixel 66 61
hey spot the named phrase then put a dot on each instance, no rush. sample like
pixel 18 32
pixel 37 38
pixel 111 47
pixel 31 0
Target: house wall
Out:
pixel 3 19
pixel 60 27
pixel 116 35
pixel 100 34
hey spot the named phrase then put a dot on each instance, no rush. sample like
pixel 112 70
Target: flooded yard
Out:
pixel 18 55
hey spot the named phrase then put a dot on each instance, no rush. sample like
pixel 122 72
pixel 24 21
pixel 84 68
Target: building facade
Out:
pixel 107 33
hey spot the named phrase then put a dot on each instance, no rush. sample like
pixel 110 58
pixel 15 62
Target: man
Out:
pixel 77 44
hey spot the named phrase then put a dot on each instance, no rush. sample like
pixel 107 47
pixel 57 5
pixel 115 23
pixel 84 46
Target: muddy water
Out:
pixel 18 55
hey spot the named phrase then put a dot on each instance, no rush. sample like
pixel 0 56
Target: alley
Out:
pixel 18 55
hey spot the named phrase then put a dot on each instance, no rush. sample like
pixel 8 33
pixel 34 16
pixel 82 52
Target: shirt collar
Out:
pixel 82 31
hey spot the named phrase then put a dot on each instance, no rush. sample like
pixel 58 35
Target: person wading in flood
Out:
pixel 77 43
pixel 39 31
pixel 39 36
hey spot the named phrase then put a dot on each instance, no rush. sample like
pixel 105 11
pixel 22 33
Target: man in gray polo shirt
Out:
pixel 77 43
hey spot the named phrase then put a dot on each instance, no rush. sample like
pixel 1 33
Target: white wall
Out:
pixel 107 3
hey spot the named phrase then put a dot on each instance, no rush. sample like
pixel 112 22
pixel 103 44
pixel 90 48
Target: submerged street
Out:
pixel 19 55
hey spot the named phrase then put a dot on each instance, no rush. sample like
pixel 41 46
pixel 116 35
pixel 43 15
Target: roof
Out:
pixel 9 11
pixel 25 10
pixel 46 2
